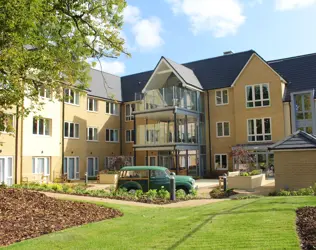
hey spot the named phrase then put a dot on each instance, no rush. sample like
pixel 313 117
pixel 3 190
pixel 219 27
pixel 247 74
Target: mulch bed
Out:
pixel 27 214
pixel 306 227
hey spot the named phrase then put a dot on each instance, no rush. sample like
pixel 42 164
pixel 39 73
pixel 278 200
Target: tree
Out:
pixel 243 157
pixel 46 44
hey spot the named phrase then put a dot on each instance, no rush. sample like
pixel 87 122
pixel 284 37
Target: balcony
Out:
pixel 170 97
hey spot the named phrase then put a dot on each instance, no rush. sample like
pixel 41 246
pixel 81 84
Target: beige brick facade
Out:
pixel 295 169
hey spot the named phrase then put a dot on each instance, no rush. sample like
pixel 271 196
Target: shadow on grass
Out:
pixel 209 219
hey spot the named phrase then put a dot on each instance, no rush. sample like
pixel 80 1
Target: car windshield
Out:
pixel 167 172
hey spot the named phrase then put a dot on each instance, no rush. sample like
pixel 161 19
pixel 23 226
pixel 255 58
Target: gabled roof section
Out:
pixel 105 85
pixel 298 140
pixel 164 69
pixel 185 73
pixel 262 60
pixel 299 71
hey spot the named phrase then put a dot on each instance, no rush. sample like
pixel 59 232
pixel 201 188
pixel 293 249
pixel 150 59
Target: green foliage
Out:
pixel 46 43
pixel 246 197
pixel 163 194
pixel 218 193
pixel 244 174
pixel 180 194
pixel 193 192
pixel 151 194
pixel 310 191
pixel 255 172
pixel 139 193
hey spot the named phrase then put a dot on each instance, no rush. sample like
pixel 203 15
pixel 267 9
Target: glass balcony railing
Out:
pixel 171 97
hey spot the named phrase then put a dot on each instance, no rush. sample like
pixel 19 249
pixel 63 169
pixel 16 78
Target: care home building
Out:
pixel 187 117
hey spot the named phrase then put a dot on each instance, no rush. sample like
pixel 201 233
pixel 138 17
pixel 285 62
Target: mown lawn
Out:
pixel 265 223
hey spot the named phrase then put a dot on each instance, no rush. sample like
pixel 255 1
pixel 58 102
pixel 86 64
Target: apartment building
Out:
pixel 186 117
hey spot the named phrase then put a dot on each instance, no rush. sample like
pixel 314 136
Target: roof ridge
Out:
pixel 290 58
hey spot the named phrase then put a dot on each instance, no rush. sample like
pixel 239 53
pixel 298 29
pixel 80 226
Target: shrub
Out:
pixel 151 194
pixel 163 194
pixel 217 193
pixel 139 193
pixel 255 172
pixel 284 193
pixel 193 192
pixel 244 174
pixel 79 189
pixel 180 194
pixel 305 191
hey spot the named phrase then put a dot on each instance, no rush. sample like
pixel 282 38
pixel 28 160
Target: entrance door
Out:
pixel 152 161
pixel 71 167
pixel 92 166
pixel 6 170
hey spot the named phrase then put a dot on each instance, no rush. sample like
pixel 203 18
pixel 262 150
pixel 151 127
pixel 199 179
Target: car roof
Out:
pixel 131 168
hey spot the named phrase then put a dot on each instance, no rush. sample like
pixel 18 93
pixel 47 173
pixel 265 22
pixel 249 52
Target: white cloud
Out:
pixel 221 17
pixel 283 5
pixel 131 14
pixel 115 67
pixel 147 33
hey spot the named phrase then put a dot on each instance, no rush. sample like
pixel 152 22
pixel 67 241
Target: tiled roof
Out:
pixel 212 73
pixel 105 85
pixel 299 72
pixel 298 140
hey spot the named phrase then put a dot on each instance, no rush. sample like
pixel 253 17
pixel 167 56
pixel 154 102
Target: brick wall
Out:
pixel 295 169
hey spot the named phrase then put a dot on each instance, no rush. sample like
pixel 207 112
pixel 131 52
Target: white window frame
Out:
pixel 223 129
pixel 130 132
pixel 75 101
pixel 129 106
pixel 263 130
pixel 74 133
pixel 94 107
pixel 8 179
pixel 222 97
pixel 45 122
pixel 108 161
pixel 253 101
pixel 118 135
pixel 112 106
pixel 94 134
pixel 152 136
pixel 47 93
pixel 96 163
pixel 35 167
pixel 221 161
pixel 77 166
pixel 6 125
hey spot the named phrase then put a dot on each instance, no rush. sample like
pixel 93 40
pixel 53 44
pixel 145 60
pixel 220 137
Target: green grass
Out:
pixel 265 223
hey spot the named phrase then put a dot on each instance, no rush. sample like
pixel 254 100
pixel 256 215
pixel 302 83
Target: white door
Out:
pixel 6 170
pixel 152 160
pixel 71 168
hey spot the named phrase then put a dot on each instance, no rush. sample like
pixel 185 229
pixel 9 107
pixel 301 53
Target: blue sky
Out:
pixel 189 30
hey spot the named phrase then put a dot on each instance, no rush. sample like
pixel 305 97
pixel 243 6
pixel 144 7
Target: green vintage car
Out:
pixel 150 177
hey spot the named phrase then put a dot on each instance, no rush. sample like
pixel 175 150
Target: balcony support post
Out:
pixel 177 161
pixel 187 161
pixel 175 127
pixel 135 140
pixel 186 129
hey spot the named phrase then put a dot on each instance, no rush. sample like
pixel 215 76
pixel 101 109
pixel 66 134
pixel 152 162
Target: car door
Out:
pixel 159 179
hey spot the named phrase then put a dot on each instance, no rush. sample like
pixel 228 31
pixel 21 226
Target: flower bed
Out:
pixel 306 227
pixel 152 196
pixel 310 191
pixel 26 214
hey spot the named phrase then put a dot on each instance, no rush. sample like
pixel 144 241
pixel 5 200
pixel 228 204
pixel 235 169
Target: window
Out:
pixel 92 166
pixel 71 130
pixel 111 108
pixel 108 161
pixel 129 108
pixel 152 135
pixel 129 135
pixel 303 107
pixel 257 95
pixel 45 92
pixel 92 134
pixel 71 97
pixel 41 126
pixel 111 135
pixel 7 123
pixel 41 165
pixel 221 97
pixel 222 129
pixel 92 104
pixel 71 167
pixel 221 161
pixel 259 130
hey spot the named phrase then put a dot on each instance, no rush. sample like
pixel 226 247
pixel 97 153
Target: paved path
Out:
pixel 190 203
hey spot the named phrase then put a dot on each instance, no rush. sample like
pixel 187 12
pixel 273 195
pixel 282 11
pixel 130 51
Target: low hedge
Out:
pixel 310 191
pixel 152 196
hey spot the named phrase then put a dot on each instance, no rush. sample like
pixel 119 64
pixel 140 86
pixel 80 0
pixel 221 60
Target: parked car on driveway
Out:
pixel 150 177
